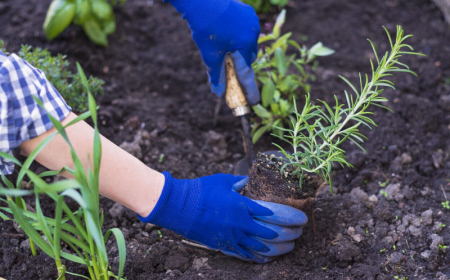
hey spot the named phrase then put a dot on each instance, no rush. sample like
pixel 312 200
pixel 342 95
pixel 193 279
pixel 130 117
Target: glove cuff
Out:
pixel 200 13
pixel 177 205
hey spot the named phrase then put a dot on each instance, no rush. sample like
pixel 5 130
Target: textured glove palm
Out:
pixel 220 27
pixel 209 211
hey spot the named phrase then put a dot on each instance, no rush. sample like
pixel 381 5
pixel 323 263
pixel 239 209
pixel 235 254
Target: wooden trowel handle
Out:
pixel 234 96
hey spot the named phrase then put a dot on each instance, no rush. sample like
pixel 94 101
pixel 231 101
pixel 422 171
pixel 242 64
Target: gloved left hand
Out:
pixel 220 27
pixel 209 210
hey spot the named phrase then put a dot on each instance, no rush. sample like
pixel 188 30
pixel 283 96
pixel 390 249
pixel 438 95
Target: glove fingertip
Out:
pixel 218 89
pixel 237 187
pixel 283 215
pixel 217 76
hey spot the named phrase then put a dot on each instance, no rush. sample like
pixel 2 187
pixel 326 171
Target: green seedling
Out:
pixel 160 234
pixel 324 268
pixel 395 247
pixel 445 204
pixel 95 16
pixel 383 184
pixel 396 217
pixel 56 69
pixel 282 76
pixel 442 225
pixel 384 193
pixel 402 278
pixel 161 158
pixel 80 230
pixel 317 132
pixel 264 6
pixel 442 247
pixel 382 250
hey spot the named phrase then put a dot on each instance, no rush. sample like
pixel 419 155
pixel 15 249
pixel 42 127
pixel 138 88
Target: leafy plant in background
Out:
pixel 263 6
pixel 95 16
pixel 318 132
pixel 56 68
pixel 279 86
pixel 80 230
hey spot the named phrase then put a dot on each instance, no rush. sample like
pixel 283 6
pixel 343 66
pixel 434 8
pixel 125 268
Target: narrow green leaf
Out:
pixel 258 133
pixel 350 84
pixel 30 231
pixel 281 18
pixel 121 246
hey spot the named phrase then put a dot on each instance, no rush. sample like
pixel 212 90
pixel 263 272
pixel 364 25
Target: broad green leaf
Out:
pixel 294 44
pixel 275 108
pixel 261 112
pixel 280 42
pixel 276 96
pixel 267 93
pixel 285 107
pixel 94 31
pixel 279 3
pixel 110 25
pixel 319 50
pixel 281 61
pixel 82 11
pixel 59 16
pixel 102 10
pixel 264 38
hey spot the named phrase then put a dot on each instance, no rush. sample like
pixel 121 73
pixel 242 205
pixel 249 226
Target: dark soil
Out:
pixel 266 183
pixel 154 76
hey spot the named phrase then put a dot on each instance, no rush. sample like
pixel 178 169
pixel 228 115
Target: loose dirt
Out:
pixel 155 80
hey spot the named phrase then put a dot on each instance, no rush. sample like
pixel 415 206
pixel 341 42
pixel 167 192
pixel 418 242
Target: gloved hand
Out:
pixel 209 211
pixel 220 27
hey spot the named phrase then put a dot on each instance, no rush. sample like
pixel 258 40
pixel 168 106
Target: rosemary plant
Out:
pixel 317 132
pixel 80 230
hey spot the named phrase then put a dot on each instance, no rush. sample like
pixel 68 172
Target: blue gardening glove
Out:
pixel 220 27
pixel 209 211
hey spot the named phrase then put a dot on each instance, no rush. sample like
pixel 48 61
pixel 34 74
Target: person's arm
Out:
pixel 208 209
pixel 123 178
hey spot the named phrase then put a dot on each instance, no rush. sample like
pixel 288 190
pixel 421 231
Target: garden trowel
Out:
pixel 237 102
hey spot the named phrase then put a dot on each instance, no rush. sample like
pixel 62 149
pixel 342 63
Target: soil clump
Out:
pixel 268 183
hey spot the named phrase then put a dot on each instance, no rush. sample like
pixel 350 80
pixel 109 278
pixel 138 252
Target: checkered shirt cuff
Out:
pixel 21 118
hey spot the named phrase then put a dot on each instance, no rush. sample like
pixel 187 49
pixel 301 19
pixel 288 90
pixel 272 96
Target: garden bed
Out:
pixel 154 75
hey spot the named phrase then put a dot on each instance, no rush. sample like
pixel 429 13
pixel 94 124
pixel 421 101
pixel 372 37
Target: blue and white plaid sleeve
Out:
pixel 21 118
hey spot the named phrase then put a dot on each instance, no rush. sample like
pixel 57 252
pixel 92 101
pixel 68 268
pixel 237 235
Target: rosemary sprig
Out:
pixel 317 132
